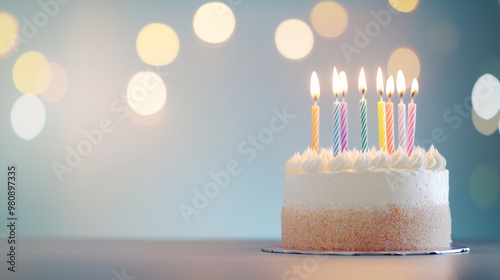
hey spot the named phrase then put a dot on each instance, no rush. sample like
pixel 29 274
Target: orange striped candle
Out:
pixel 315 112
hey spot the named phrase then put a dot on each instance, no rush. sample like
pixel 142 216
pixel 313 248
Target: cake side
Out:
pixel 366 201
pixel 397 186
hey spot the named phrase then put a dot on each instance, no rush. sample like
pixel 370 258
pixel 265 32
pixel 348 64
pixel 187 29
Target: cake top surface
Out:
pixel 310 161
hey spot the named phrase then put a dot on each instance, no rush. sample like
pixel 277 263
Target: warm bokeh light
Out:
pixel 294 39
pixel 484 186
pixel 214 22
pixel 157 44
pixel 9 33
pixel 28 116
pixel 486 96
pixel 314 85
pixel 329 19
pixel 146 93
pixel 58 86
pixel 443 37
pixel 362 81
pixel 405 60
pixel 404 6
pixel 32 73
pixel 485 127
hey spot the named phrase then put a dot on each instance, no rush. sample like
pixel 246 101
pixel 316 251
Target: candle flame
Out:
pixel 343 82
pixel 335 82
pixel 362 81
pixel 389 88
pixel 401 84
pixel 414 87
pixel 380 81
pixel 314 86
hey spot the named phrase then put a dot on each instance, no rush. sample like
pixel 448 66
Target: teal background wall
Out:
pixel 134 182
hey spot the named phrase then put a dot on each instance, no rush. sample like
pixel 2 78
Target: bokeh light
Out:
pixel 214 22
pixel 484 186
pixel 485 127
pixel 329 19
pixel 146 93
pixel 28 116
pixel 58 86
pixel 157 44
pixel 486 96
pixel 404 6
pixel 9 33
pixel 32 73
pixel 443 37
pixel 294 39
pixel 405 60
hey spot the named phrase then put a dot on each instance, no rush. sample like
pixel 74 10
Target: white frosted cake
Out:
pixel 366 201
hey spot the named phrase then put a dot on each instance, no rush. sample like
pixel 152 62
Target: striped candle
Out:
pixel 362 111
pixel 315 128
pixel 412 117
pixel 381 113
pixel 389 110
pixel 412 112
pixel 364 134
pixel 344 127
pixel 389 115
pixel 381 126
pixel 336 128
pixel 401 87
pixel 343 114
pixel 315 112
pixel 402 125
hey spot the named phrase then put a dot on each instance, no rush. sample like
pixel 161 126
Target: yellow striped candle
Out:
pixel 389 115
pixel 381 113
pixel 315 112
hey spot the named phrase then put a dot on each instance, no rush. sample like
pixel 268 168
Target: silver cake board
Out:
pixel 449 251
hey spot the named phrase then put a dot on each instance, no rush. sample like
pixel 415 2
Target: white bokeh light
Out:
pixel 486 96
pixel 146 93
pixel 214 22
pixel 294 39
pixel 28 116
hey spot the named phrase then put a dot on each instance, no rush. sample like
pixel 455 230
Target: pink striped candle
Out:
pixel 412 117
pixel 401 87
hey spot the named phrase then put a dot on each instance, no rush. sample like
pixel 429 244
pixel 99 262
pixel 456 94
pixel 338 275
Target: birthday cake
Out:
pixel 372 201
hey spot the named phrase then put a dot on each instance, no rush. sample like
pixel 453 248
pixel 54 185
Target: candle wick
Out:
pixel 315 101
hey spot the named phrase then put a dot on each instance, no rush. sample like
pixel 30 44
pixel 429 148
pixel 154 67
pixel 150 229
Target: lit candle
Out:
pixel 412 117
pixel 336 113
pixel 315 111
pixel 343 113
pixel 401 87
pixel 381 113
pixel 362 111
pixel 389 115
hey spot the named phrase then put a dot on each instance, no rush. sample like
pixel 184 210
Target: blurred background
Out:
pixel 173 119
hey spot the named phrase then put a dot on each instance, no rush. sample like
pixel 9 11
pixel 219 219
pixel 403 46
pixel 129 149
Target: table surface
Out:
pixel 232 259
